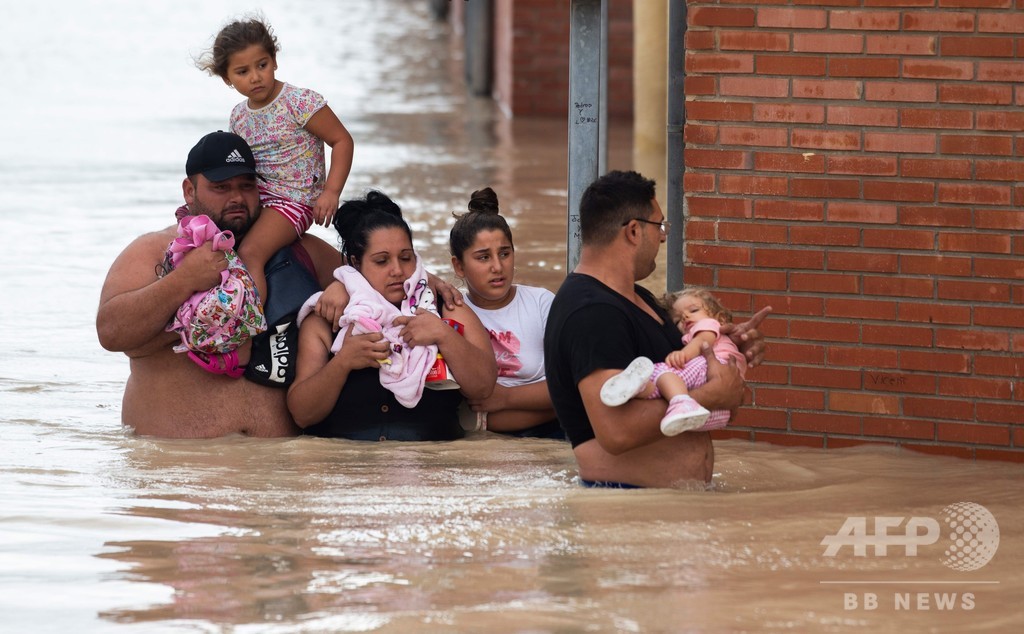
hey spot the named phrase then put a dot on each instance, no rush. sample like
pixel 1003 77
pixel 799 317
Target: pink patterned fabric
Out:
pixel 226 316
pixel 288 156
pixel 695 373
pixel 723 348
pixel 298 214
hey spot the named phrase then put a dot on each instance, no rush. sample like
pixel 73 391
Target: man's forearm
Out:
pixel 133 319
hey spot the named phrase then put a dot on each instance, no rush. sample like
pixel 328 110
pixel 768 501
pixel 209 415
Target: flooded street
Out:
pixel 105 531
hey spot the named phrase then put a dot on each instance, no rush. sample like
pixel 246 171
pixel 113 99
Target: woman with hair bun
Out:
pixel 484 257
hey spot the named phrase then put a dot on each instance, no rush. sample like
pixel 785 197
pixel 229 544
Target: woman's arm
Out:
pixel 533 396
pixel 515 408
pixel 319 377
pixel 509 420
pixel 469 356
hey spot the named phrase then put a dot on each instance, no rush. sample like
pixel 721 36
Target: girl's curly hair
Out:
pixel 713 307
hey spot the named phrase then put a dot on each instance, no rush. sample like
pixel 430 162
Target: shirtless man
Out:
pixel 601 320
pixel 167 394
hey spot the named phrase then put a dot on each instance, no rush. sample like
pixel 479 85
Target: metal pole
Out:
pixel 675 198
pixel 602 155
pixel 479 20
pixel 584 111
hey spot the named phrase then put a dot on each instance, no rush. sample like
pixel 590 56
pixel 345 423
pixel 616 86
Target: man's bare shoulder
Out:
pixel 152 241
pixel 164 235
pixel 135 266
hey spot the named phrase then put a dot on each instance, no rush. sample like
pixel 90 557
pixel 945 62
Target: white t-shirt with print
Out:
pixel 517 334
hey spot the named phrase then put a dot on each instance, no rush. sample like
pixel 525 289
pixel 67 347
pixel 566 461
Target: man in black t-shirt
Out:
pixel 601 320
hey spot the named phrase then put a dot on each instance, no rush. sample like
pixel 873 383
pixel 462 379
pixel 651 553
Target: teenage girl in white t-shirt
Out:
pixel 484 257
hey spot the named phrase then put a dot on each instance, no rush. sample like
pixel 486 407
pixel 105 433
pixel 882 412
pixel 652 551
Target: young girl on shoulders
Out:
pixel 287 128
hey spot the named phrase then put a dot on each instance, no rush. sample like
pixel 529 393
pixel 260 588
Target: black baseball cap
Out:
pixel 219 156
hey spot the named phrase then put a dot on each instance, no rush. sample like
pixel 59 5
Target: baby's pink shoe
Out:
pixel 683 414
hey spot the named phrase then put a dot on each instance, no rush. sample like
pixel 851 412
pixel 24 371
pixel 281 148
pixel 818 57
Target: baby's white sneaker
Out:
pixel 628 383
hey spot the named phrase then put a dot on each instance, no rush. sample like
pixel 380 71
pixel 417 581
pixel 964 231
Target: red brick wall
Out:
pixel 531 57
pixel 858 165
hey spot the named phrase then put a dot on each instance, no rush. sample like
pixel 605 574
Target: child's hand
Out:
pixel 325 208
pixel 676 359
pixel 332 303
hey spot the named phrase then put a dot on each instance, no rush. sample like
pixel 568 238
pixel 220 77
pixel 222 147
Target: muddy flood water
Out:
pixel 105 531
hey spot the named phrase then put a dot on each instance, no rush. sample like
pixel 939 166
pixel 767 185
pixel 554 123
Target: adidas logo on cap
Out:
pixel 219 156
pixel 261 368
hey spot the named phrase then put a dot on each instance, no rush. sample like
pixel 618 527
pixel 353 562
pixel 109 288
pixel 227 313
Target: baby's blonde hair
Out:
pixel 713 307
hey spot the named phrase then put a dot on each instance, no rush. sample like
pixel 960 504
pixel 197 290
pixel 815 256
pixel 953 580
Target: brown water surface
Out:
pixel 493 534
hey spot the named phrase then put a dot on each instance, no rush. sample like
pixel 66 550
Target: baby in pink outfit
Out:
pixel 213 324
pixel 699 316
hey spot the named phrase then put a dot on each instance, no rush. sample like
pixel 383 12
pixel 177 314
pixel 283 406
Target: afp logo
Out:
pixel 969 532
